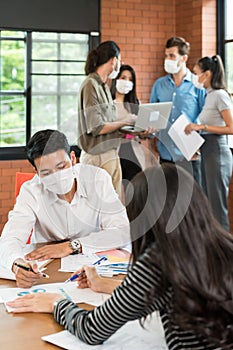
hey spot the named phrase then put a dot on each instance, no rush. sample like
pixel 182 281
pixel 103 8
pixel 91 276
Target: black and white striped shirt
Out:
pixel 128 302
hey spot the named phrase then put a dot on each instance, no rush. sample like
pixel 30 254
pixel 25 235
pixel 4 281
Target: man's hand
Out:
pixel 50 251
pixel 24 278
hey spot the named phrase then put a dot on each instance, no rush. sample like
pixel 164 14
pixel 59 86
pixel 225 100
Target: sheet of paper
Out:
pixel 85 295
pixel 115 255
pixel 72 263
pixel 131 337
pixel 187 144
pixel 8 274
pixel 68 290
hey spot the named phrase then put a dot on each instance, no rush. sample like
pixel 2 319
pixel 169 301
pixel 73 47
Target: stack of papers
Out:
pixel 117 262
pixel 112 269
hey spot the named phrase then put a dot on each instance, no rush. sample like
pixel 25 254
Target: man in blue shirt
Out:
pixel 177 87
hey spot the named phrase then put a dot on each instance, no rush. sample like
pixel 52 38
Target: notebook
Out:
pixel 154 115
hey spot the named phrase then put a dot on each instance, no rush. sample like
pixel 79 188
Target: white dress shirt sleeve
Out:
pixel 112 215
pixel 15 233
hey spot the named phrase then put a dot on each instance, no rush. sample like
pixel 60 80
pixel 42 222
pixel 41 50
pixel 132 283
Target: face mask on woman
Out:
pixel 124 86
pixel 59 182
pixel 196 83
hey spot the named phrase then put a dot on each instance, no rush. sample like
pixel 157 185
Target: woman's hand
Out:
pixel 191 127
pixel 89 278
pixel 130 119
pixel 37 302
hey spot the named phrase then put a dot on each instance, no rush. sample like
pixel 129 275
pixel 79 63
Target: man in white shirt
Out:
pixel 73 208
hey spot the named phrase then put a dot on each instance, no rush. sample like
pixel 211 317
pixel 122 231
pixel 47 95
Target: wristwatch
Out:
pixel 76 246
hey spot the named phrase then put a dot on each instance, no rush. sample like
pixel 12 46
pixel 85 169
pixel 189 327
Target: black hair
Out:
pixel 170 215
pixel 131 101
pixel 183 46
pixel 45 142
pixel 215 66
pixel 102 54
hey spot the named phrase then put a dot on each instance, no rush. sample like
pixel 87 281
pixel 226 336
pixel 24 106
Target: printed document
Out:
pixel 69 291
pixel 187 144
pixel 131 337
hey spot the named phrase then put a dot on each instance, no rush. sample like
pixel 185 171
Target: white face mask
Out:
pixel 196 83
pixel 124 86
pixel 115 73
pixel 171 66
pixel 59 182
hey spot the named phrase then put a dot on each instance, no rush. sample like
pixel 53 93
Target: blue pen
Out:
pixel 74 277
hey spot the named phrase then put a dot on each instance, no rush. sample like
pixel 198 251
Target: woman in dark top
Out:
pixel 181 266
pixel 123 90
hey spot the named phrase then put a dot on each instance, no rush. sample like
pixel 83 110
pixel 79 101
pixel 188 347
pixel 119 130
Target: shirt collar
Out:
pixel 97 78
pixel 81 191
pixel 187 77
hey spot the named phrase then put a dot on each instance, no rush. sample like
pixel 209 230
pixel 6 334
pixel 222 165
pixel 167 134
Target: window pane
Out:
pixel 81 38
pixel 58 67
pixel 72 67
pixel 46 84
pixel 69 119
pixel 229 22
pixel 44 67
pixel 229 65
pixel 74 51
pixel 12 121
pixel 71 83
pixel 44 113
pixel 12 56
pixel 44 51
pixel 12 34
pixel 44 36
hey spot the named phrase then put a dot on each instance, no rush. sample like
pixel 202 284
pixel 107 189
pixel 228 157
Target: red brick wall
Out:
pixel 140 27
pixel 195 20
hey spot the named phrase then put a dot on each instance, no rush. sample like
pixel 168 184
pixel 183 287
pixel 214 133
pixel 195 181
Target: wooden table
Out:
pixel 24 331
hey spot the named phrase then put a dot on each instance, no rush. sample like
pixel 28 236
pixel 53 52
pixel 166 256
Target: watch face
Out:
pixel 75 245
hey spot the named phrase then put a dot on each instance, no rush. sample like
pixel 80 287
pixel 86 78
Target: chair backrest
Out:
pixel 20 178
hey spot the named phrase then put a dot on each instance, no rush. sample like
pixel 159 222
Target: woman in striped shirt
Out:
pixel 181 266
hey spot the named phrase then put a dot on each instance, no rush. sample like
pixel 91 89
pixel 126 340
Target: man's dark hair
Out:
pixel 45 142
pixel 183 46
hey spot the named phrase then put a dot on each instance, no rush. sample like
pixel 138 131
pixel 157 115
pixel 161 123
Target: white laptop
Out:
pixel 154 115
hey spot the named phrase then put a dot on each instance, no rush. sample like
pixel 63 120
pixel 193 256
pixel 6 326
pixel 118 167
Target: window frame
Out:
pixel 221 32
pixel 19 152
